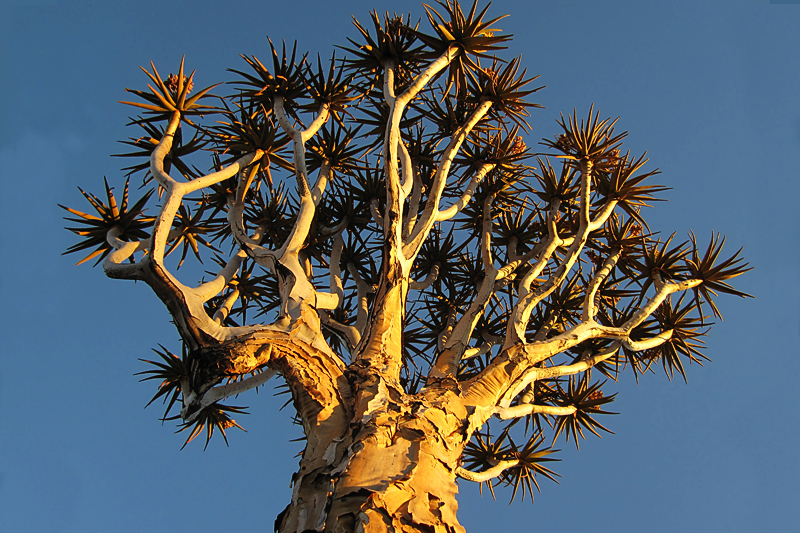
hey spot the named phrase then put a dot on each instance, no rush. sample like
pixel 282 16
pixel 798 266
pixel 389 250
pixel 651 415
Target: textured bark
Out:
pixel 376 459
pixel 399 470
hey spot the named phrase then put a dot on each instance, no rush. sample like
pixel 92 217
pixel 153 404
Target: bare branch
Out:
pixel 161 151
pixel 486 475
pixel 518 411
pixel 428 281
pixel 225 308
pixel 423 227
pixel 362 290
pixel 224 173
pixel 589 302
pixel 456 208
pixel 351 334
pixel 113 264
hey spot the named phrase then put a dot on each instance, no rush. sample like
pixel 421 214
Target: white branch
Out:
pixel 518 411
pixel 456 208
pixel 428 281
pixel 527 302
pixel 221 392
pixel 223 174
pixel 603 215
pixel 581 366
pixel 224 310
pixel 113 265
pixel 362 290
pixel 469 353
pixel 161 151
pixel 211 288
pixel 486 475
pixel 376 213
pixel 648 344
pixel 426 75
pixel 351 333
pixel 335 267
pixel 590 301
pixel 424 226
pixel 413 205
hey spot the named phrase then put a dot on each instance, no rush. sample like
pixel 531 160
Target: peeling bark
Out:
pixel 376 459
pixel 401 476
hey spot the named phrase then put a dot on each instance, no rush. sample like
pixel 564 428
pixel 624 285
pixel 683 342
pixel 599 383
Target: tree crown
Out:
pixel 319 187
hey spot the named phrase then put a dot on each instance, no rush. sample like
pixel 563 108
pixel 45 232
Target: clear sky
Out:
pixel 711 89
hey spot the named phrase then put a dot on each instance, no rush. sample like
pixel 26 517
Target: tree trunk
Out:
pixel 376 459
pixel 397 472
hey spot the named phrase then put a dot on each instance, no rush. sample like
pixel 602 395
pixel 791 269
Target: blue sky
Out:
pixel 711 89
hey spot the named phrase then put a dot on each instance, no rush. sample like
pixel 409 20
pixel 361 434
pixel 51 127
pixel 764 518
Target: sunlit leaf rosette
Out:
pixel 93 229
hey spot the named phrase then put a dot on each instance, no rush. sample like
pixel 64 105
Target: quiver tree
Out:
pixel 420 278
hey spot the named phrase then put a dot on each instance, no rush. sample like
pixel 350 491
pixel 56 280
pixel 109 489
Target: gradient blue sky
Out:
pixel 710 88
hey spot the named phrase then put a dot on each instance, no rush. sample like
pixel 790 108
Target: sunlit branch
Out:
pixel 305 215
pixel 211 288
pixel 376 213
pixel 206 291
pixel 589 302
pixel 162 149
pixel 524 307
pixel 486 475
pixel 283 120
pixel 444 336
pixel 336 269
pixel 225 308
pixel 518 411
pixel 236 222
pixel 649 308
pixel 548 248
pixel 362 289
pixel 424 225
pixel 458 341
pixel 509 268
pixel 113 264
pixel 428 281
pixel 647 344
pixel 456 208
pixel 350 333
pixel 547 326
pixel 483 349
pixel 533 373
pixel 407 182
pixel 222 174
pixel 413 204
pixel 221 392
pixel 299 138
pixel 322 182
pixel 388 82
pixel 602 215
pixel 581 366
pixel 322 117
pixel 425 76
pixel 518 320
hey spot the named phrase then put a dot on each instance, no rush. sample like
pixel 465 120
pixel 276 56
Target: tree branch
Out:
pixel 518 411
pixel 429 215
pixel 486 475
pixel 589 302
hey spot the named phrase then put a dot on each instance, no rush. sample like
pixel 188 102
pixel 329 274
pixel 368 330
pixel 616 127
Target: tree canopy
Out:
pixel 383 211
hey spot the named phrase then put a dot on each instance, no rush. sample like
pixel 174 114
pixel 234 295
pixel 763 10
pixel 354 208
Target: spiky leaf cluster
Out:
pixel 94 229
pixel 530 202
